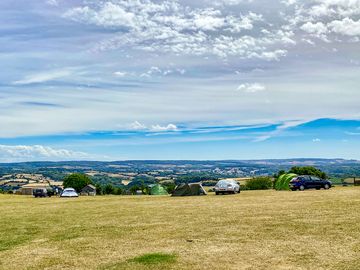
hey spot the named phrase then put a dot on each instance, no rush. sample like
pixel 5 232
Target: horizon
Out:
pixel 184 160
pixel 179 80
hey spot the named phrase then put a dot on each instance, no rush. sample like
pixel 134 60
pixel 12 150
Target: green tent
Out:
pixel 283 181
pixel 189 190
pixel 158 190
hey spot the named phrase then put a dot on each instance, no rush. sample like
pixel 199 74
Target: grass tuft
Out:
pixel 155 258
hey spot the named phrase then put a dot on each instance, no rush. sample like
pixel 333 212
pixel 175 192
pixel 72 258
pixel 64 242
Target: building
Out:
pixel 89 190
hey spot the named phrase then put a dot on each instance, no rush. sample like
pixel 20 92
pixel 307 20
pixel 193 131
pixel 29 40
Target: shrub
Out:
pixel 262 182
pixel 243 187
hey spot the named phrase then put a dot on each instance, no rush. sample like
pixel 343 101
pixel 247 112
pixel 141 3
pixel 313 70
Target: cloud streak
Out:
pixel 37 152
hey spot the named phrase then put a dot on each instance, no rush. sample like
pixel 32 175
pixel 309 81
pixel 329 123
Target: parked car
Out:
pixel 69 192
pixel 42 192
pixel 303 182
pixel 227 186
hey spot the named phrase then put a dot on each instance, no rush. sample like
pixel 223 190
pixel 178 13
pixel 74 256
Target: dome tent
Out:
pixel 158 190
pixel 283 181
pixel 189 190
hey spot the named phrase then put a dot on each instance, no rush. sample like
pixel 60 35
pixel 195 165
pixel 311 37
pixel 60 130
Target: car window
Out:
pixel 314 178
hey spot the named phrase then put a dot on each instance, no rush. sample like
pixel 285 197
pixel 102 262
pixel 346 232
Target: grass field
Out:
pixel 252 230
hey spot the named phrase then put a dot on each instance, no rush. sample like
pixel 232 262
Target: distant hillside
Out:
pixel 174 168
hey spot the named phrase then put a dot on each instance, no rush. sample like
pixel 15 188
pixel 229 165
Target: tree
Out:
pixel 308 170
pixel 133 189
pixel 109 189
pixel 281 172
pixel 118 191
pixel 99 189
pixel 77 181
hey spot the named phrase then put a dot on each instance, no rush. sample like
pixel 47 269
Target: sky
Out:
pixel 206 79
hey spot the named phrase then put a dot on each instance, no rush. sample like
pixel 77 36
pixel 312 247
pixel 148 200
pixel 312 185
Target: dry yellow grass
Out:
pixel 252 230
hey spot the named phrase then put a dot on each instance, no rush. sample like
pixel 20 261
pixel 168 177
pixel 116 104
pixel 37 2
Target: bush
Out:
pixel 257 183
pixel 243 187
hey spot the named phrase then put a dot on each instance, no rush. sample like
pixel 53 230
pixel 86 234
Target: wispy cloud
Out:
pixel 43 77
pixel 38 152
pixel 279 130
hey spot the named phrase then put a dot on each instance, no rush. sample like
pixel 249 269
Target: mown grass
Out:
pixel 252 230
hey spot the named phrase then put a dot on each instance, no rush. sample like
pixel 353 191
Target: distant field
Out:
pixel 252 230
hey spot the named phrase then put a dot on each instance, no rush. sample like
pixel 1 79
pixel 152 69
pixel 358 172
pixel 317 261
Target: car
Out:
pixel 227 186
pixel 42 192
pixel 69 192
pixel 303 182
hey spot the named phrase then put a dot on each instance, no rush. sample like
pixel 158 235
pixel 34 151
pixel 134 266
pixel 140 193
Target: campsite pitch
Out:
pixel 315 229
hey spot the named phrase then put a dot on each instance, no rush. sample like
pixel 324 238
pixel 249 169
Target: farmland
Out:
pixel 252 230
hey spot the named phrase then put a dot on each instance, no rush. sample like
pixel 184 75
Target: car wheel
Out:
pixel 326 186
pixel 216 193
pixel 301 188
pixel 317 188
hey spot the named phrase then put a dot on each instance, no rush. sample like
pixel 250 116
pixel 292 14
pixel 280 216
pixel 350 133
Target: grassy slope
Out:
pixel 251 230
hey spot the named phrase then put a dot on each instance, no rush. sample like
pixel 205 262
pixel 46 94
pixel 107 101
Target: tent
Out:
pixel 158 190
pixel 283 181
pixel 189 190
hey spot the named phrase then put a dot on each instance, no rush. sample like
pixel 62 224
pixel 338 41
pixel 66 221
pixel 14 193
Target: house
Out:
pixel 89 190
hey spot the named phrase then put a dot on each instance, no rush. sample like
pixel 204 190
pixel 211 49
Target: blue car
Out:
pixel 303 182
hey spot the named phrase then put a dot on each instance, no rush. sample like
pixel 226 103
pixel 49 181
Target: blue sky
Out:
pixel 149 79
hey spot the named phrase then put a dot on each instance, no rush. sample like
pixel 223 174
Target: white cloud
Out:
pixel 44 77
pixel 37 152
pixel 314 28
pixel 153 128
pixel 251 87
pixel 169 127
pixel 169 27
pixel 345 26
pixel 54 3
pixel 137 126
pixel 120 73
pixel 156 71
pixel 289 2
pixel 316 140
